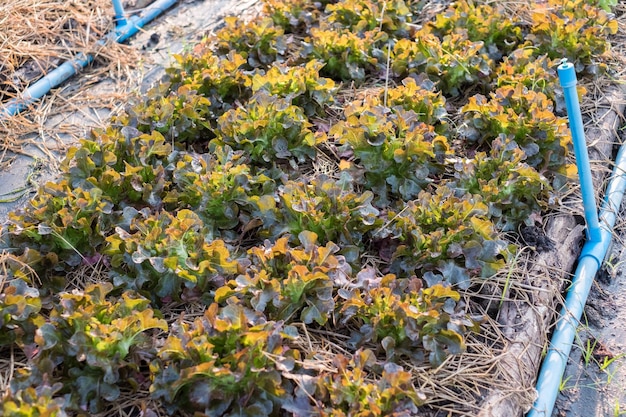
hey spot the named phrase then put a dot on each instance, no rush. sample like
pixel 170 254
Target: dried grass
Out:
pixel 11 360
pixel 38 35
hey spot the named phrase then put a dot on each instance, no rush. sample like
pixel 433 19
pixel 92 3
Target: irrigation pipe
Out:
pixel 600 229
pixel 120 17
pixel 124 30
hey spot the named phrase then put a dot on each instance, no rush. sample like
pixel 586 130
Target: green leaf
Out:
pixel 308 239
pixel 312 313
pixel 47 337
pixel 452 340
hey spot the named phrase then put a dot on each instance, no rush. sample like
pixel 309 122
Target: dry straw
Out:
pixel 36 37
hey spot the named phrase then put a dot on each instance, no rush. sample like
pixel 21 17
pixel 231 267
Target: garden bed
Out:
pixel 333 208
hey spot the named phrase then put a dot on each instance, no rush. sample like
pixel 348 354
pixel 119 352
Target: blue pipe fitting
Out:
pixel 120 16
pixel 567 74
pixel 135 23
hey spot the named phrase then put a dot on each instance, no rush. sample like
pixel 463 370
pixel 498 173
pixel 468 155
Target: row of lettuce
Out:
pixel 305 173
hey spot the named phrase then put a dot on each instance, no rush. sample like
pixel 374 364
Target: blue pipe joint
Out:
pixel 597 250
pixel 135 23
pixel 567 77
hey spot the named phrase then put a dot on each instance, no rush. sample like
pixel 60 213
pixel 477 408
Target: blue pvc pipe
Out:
pixel 44 85
pixel 567 77
pixel 589 262
pixel 135 23
pixel 69 68
pixel 120 16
